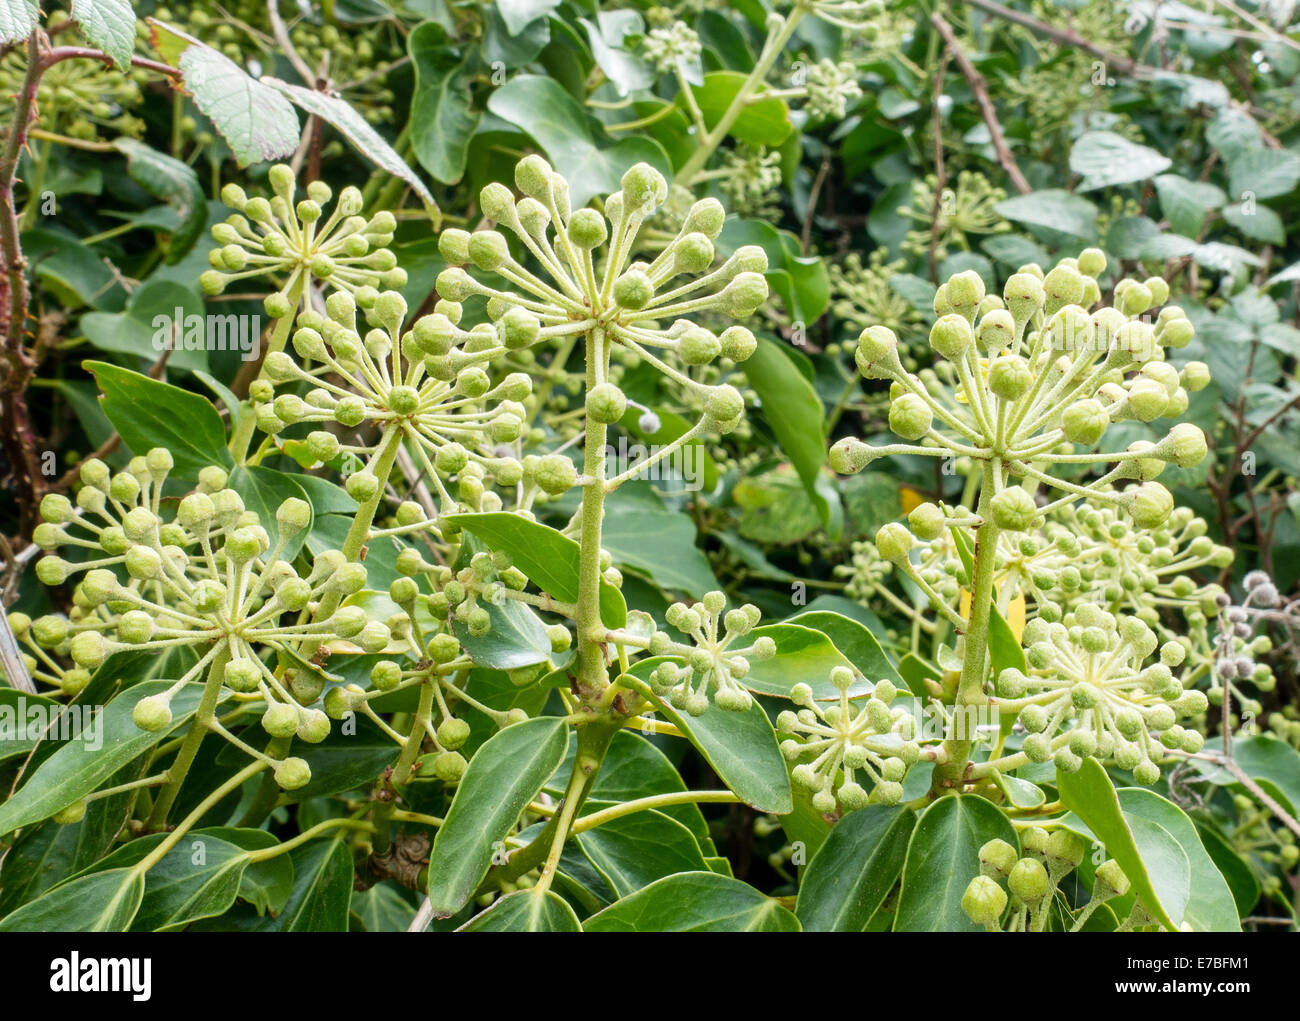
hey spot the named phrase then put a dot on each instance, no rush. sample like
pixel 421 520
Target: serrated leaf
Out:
pixel 110 25
pixel 1105 159
pixel 17 19
pixel 351 125
pixel 254 119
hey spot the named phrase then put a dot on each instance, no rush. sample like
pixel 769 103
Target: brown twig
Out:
pixel 977 84
pixel 814 193
pixel 1123 65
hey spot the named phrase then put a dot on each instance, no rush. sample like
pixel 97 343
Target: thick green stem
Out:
pixel 592 673
pixel 974 665
pixel 199 725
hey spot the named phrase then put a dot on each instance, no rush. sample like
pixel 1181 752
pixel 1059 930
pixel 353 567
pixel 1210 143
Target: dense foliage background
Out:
pixel 872 151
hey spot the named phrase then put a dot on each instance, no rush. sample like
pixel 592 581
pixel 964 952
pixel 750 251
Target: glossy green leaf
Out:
pixel 763 122
pixel 541 108
pixel 803 655
pixel 1153 861
pixel 850 876
pixel 25 720
pixel 1210 907
pixel 76 769
pixel 694 902
pixel 942 859
pixel 323 878
pixel 503 777
pixel 99 902
pixel 526 911
pixel 151 414
pixel 853 640
pixel 645 537
pixel 633 851
pixel 168 180
pixel 263 490
pixel 443 118
pixel 741 747
pixel 548 558
pixel 790 405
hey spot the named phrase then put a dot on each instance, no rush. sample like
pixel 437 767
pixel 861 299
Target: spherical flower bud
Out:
pixel 877 353
pixel 1014 509
pixel 997 859
pixel 951 336
pixel 1147 399
pixel 1195 377
pixel 1177 333
pixel 849 456
pixel 910 416
pixel 153 713
pixel 555 474
pixel 449 767
pixel 1062 286
pixel 72 814
pixel 743 296
pixel 894 542
pixel 292 774
pixel 606 403
pixel 1085 422
pixel 1028 881
pixel 997 329
pixel 488 250
pixel 738 343
pixel 1185 445
pixel 241 675
pixel 1092 262
pixel 1150 505
pixel 1009 377
pixel 293 515
pixel 707 217
pixel 984 901
pixel 643 188
pixel 518 329
pixel 724 403
pixel 88 649
pixel 965 290
pixel 588 230
pixel 634 290
pixel 1024 295
pixel 927 521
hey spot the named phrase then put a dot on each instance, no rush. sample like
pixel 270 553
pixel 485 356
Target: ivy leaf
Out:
pixel 443 119
pixel 644 536
pixel 263 490
pixel 853 641
pixel 76 769
pixel 110 25
pixel 519 14
pixel 503 777
pixel 741 747
pixel 1155 864
pixel 548 558
pixel 792 408
pixel 1210 907
pixel 526 911
pixel 99 902
pixel 351 125
pixel 323 878
pixel 694 902
pixel 803 655
pixel 607 37
pixel 542 109
pixel 1185 202
pixel 854 870
pixel 148 413
pixel 763 122
pixel 633 851
pixel 942 859
pixel 17 19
